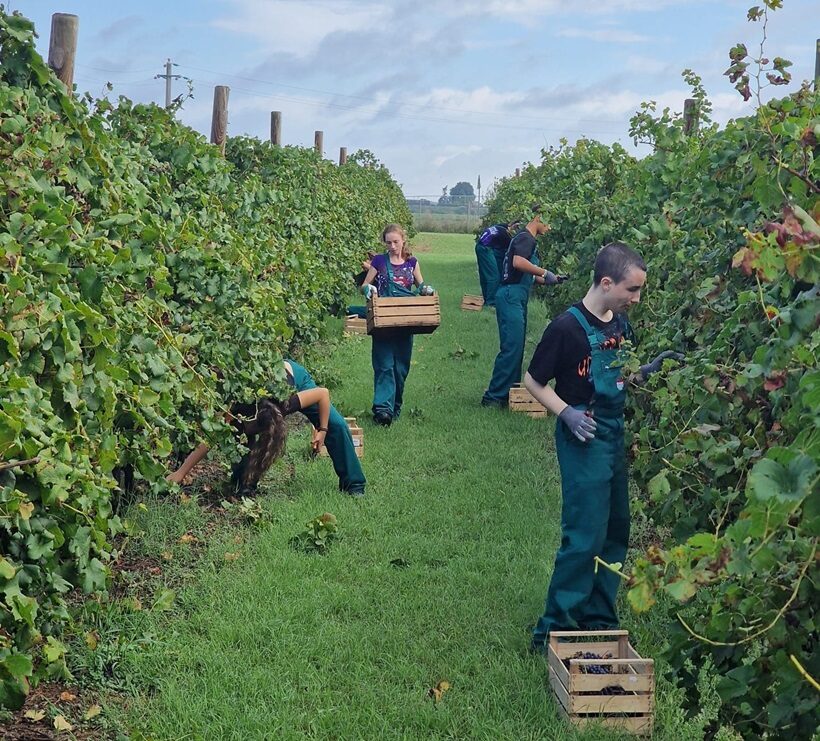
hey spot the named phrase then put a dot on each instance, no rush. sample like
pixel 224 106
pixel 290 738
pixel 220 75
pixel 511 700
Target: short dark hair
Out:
pixel 615 260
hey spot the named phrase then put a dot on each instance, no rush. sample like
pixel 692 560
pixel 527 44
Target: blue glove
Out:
pixel 655 365
pixel 579 423
pixel 370 291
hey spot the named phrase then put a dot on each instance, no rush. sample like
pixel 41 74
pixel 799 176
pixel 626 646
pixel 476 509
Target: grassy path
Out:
pixel 437 573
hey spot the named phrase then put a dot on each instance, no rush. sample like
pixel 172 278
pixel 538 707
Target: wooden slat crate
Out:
pixel 522 400
pixel 472 303
pixel 355 324
pixel 586 698
pixel 358 438
pixel 416 314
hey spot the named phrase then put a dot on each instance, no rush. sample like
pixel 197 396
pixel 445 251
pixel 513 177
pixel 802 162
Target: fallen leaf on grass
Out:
pixel 155 570
pixel 34 715
pixel 142 506
pixel 67 696
pixel 61 724
pixel 437 692
pixel 92 712
pixel 167 556
pixel 92 638
pixel 232 556
pixel 184 498
pixel 188 538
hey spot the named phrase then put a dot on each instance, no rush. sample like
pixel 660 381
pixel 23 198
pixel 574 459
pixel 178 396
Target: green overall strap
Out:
pixel 394 289
pixel 593 336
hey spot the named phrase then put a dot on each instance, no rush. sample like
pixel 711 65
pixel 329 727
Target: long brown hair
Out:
pixel 264 426
pixel 399 229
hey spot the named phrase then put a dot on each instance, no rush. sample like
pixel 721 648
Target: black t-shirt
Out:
pixel 522 244
pixel 564 353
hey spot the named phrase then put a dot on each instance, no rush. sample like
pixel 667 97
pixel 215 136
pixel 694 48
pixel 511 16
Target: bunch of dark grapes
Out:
pixel 591 668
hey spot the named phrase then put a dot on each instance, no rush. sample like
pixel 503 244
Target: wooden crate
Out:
pixel 472 303
pixel 355 324
pixel 581 696
pixel 415 314
pixel 358 438
pixel 522 400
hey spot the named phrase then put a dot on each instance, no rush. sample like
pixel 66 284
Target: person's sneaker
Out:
pixel 537 649
pixel 485 402
pixel 382 418
pixel 358 493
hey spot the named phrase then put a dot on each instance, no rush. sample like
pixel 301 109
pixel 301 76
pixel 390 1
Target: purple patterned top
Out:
pixel 402 274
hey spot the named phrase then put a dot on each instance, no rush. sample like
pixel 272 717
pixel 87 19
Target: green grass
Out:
pixel 437 574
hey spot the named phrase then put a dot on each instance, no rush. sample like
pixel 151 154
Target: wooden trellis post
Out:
pixel 276 128
pixel 690 116
pixel 318 139
pixel 219 119
pixel 62 47
pixel 342 155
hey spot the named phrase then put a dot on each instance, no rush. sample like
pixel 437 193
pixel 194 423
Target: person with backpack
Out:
pixel 392 274
pixel 520 269
pixel 490 247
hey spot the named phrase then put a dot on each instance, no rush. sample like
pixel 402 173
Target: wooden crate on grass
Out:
pixel 472 303
pixel 355 324
pixel 415 314
pixel 522 400
pixel 617 690
pixel 358 438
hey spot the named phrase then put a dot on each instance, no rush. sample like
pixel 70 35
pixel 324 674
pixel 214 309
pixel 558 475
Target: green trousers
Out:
pixel 511 315
pixel 338 440
pixel 390 356
pixel 594 522
pixel 489 273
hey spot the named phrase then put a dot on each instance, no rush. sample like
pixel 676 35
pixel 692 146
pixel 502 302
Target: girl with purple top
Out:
pixel 393 273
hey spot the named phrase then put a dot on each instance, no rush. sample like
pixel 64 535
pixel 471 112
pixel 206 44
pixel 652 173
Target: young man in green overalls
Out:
pixel 520 268
pixel 580 350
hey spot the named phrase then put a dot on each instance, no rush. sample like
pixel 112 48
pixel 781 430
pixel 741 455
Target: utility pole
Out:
pixel 479 193
pixel 167 77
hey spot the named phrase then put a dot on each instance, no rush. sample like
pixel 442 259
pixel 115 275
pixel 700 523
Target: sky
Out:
pixel 440 92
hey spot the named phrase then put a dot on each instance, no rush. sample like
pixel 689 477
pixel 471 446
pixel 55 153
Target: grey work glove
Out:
pixel 551 279
pixel 370 291
pixel 653 367
pixel 579 423
pixel 425 289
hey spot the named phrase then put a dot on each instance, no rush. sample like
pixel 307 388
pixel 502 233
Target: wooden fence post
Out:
pixel 342 155
pixel 62 47
pixel 318 138
pixel 276 128
pixel 690 116
pixel 518 172
pixel 817 66
pixel 219 118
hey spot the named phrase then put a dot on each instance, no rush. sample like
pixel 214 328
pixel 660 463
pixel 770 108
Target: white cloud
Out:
pixel 451 152
pixel 298 26
pixel 612 35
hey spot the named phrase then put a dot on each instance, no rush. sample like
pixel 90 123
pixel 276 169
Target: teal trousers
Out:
pixel 390 355
pixel 489 274
pixel 338 440
pixel 594 522
pixel 511 315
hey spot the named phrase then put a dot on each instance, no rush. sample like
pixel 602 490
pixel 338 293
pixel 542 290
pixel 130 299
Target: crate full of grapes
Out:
pixel 597 676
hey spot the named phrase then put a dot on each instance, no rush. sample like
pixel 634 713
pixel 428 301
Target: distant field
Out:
pixel 450 223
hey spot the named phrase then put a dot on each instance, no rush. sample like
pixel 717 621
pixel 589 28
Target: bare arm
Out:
pixel 545 394
pixel 525 266
pixel 368 279
pixel 417 279
pixel 320 396
pixel 193 458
